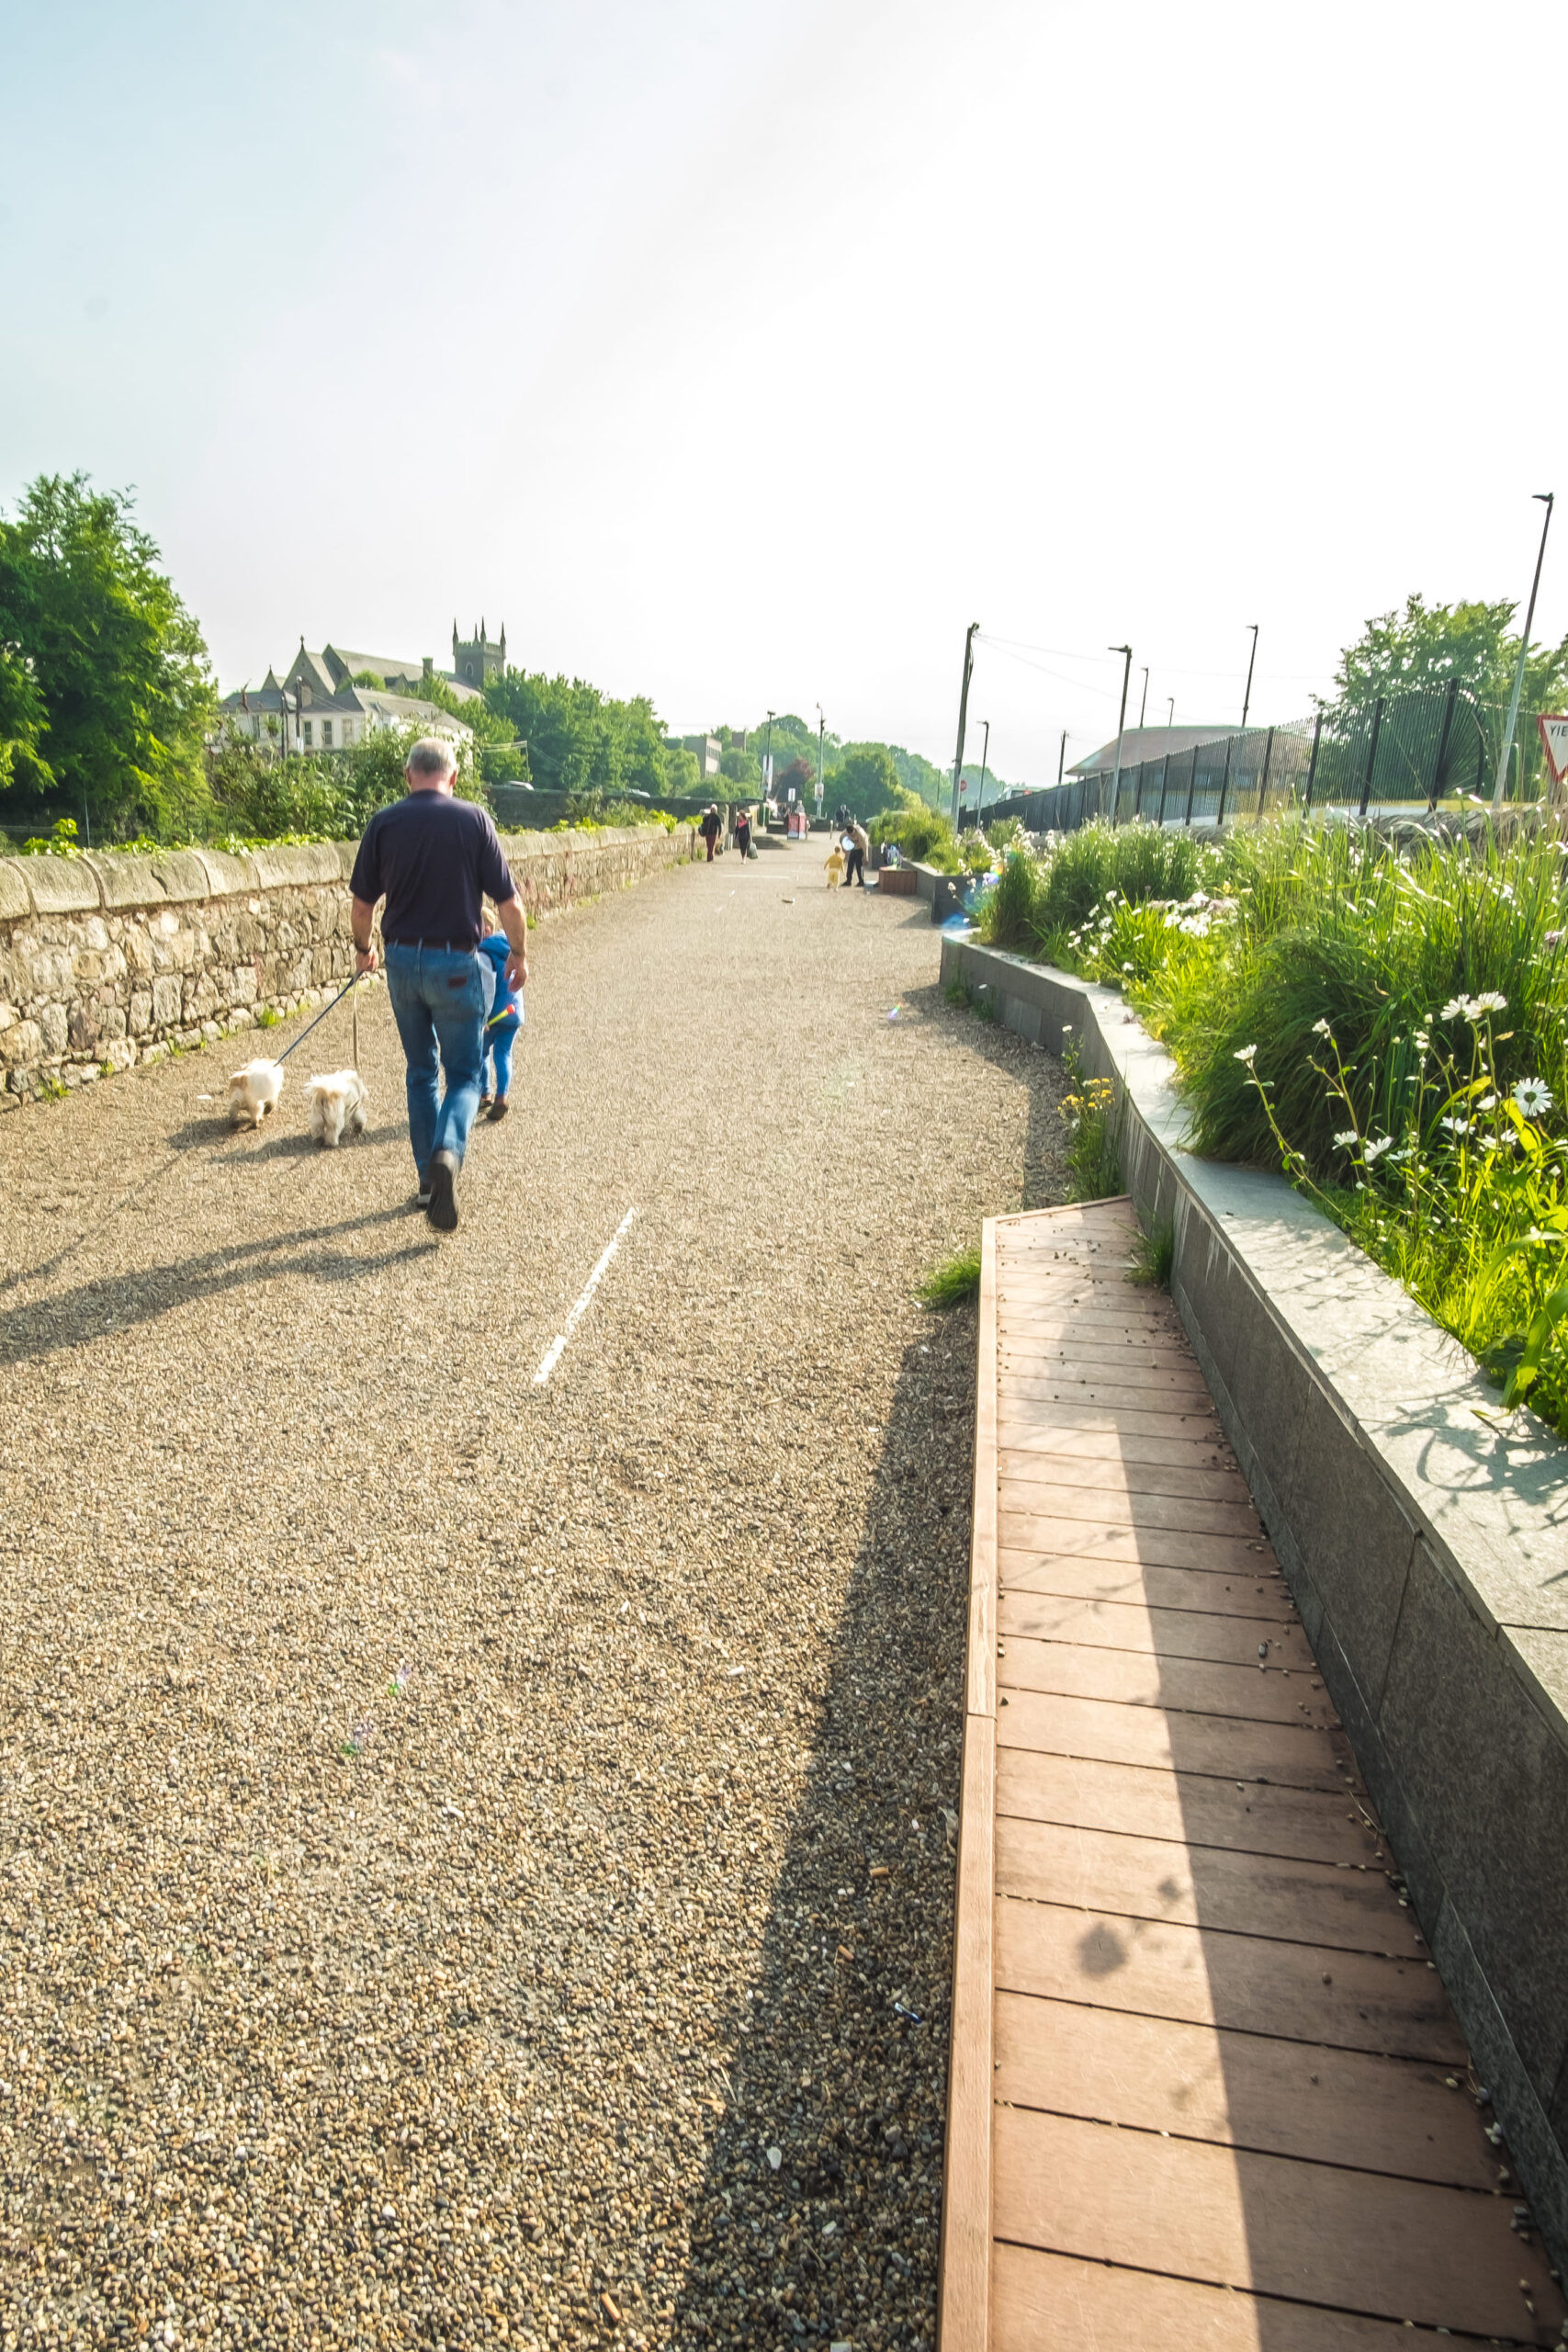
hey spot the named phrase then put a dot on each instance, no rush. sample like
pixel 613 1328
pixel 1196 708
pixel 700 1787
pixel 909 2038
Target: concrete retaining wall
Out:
pixel 109 960
pixel 1425 1543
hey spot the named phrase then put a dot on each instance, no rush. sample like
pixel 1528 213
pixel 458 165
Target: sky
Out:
pixel 742 354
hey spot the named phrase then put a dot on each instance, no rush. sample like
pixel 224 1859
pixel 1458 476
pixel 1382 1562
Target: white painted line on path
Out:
pixel 556 1348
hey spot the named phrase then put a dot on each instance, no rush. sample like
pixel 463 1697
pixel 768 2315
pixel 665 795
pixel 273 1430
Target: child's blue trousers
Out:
pixel 498 1052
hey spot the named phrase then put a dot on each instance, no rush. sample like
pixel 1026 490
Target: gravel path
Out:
pixel 474 1858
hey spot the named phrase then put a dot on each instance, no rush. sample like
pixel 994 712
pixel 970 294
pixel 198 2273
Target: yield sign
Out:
pixel 1554 743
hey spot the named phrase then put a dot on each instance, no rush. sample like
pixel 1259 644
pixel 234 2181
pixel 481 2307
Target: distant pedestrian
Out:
pixel 710 828
pixel 743 833
pixel 506 1017
pixel 437 859
pixel 859 841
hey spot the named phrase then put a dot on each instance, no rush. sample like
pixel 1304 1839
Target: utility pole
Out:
pixel 985 755
pixel 1246 698
pixel 1126 652
pixel 821 724
pixel 1548 498
pixel 1061 759
pixel 1144 703
pixel 963 715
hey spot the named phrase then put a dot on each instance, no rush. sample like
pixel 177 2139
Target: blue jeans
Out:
pixel 441 999
pixel 498 1050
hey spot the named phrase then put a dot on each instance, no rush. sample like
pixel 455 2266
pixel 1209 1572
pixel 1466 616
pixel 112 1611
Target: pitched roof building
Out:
pixel 331 700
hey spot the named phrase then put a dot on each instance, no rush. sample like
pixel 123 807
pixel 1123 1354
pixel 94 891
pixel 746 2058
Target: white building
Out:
pixel 326 702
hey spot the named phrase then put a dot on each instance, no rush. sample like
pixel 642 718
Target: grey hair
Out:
pixel 431 756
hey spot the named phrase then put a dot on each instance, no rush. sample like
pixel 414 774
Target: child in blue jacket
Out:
pixel 505 1019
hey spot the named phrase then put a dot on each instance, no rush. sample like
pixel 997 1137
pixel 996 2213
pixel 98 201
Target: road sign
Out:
pixel 1554 743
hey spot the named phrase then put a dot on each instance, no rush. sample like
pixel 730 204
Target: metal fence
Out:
pixel 1398 752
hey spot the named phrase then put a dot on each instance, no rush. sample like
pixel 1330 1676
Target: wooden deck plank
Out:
pixel 1177 1685
pixel 1364 2241
pixel 1245 2090
pixel 1105 1440
pixel 1222 1637
pixel 1043 1498
pixel 1200 1886
pixel 1053 2302
pixel 1163 1547
pixel 1197 1481
pixel 1281 1753
pixel 1209 1591
pixel 1019 1415
pixel 1350 2000
pixel 1294 1824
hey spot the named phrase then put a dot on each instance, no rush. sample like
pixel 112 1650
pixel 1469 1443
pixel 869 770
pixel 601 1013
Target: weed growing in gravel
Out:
pixel 1094 1159
pixel 1154 1256
pixel 954 1281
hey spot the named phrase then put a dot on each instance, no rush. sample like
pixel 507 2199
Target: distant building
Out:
pixel 331 700
pixel 708 751
pixel 1140 743
pixel 475 661
pixel 317 706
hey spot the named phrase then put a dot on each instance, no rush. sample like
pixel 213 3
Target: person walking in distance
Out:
pixel 859 842
pixel 743 833
pixel 435 859
pixel 711 826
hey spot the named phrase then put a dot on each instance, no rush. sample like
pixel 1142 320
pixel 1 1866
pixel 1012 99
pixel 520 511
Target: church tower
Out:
pixel 479 659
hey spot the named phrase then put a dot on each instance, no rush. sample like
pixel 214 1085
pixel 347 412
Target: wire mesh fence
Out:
pixel 1423 750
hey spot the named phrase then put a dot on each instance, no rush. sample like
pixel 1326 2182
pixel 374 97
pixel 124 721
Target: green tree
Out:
pixel 578 739
pixel 741 767
pixel 1419 652
pixel 866 780
pixel 683 777
pixel 121 696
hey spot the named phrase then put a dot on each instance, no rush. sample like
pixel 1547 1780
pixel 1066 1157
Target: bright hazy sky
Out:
pixel 740 355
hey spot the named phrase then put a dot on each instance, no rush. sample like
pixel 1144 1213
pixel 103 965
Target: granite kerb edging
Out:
pixel 1424 1537
pixel 119 957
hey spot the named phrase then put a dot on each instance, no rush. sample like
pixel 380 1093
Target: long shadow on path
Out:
pixel 841 2066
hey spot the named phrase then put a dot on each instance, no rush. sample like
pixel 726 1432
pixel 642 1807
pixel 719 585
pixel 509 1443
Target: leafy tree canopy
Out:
pixel 741 767
pixel 578 739
pixel 106 695
pixel 1428 645
pixel 865 780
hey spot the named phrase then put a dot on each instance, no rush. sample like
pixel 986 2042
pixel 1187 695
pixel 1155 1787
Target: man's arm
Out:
pixel 514 923
pixel 363 914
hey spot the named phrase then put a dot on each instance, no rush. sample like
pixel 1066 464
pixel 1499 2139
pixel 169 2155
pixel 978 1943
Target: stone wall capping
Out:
pixel 15 900
pixel 229 874
pixel 278 867
pixel 125 879
pixel 182 873
pixel 1423 1534
pixel 61 886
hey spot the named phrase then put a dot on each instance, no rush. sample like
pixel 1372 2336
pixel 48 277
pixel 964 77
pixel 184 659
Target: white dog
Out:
pixel 338 1104
pixel 253 1091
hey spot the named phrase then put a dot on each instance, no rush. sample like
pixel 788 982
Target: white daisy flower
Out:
pixel 1246 1053
pixel 1374 1148
pixel 1533 1096
pixel 1348 1140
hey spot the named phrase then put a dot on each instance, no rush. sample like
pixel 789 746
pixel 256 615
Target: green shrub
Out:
pixel 954 1281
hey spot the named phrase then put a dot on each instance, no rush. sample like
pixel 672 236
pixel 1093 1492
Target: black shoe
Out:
pixel 498 1109
pixel 442 1209
pixel 421 1198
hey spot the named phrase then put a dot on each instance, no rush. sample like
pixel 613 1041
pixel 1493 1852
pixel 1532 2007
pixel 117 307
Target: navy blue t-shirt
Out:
pixel 436 857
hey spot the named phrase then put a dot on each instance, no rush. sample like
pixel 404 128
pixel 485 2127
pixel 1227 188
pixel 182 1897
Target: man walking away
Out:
pixel 860 841
pixel 437 858
pixel 710 828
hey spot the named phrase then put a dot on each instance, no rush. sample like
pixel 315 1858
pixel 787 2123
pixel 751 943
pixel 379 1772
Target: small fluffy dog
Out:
pixel 338 1104
pixel 253 1091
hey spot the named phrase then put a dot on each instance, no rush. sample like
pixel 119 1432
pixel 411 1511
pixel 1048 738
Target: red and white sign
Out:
pixel 1554 743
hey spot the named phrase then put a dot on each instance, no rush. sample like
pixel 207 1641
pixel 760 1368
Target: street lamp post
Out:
pixel 768 769
pixel 1144 703
pixel 821 725
pixel 1126 653
pixel 1170 710
pixel 1246 698
pixel 985 755
pixel 1548 498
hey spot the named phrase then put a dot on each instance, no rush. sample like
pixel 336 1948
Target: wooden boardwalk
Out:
pixel 1207 2091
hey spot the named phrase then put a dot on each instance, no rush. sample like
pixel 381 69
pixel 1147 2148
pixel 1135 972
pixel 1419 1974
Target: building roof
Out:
pixel 345 666
pixel 1148 743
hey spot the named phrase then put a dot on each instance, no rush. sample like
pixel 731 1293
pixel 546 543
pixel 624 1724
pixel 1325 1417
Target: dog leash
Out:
pixel 354 983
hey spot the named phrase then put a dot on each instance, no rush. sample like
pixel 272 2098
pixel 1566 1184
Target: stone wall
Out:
pixel 112 960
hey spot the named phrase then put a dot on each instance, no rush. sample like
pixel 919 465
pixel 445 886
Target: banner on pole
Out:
pixel 1554 743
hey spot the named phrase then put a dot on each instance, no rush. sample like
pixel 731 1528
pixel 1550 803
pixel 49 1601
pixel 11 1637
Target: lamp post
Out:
pixel 963 716
pixel 1246 698
pixel 1170 710
pixel 821 725
pixel 1144 703
pixel 1548 498
pixel 1126 652
pixel 768 768
pixel 985 755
